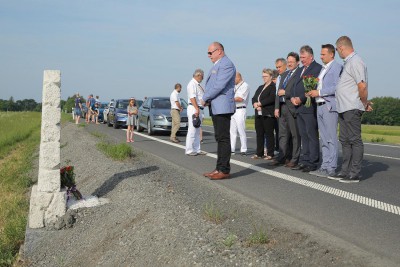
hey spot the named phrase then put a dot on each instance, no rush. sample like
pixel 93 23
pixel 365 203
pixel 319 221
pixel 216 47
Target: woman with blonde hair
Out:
pixel 132 110
pixel 264 106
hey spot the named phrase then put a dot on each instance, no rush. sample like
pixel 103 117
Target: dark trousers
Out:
pixel 308 129
pixel 222 125
pixel 350 138
pixel 276 127
pixel 265 127
pixel 289 138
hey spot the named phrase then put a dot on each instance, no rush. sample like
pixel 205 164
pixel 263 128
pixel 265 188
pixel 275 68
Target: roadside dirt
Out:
pixel 162 215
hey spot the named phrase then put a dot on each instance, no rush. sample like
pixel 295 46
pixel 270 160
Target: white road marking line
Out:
pixel 320 187
pixel 379 156
pixel 373 144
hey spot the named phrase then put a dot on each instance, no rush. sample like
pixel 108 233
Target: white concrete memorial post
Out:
pixel 47 203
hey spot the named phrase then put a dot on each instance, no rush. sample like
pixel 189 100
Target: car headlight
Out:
pixel 158 117
pixel 122 115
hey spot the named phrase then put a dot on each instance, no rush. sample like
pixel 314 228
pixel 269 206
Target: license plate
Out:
pixel 183 124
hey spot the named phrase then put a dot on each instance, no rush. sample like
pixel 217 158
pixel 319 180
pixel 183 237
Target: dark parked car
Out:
pixel 117 112
pixel 155 115
pixel 101 108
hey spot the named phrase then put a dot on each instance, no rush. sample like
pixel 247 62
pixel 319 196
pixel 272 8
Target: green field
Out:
pixel 19 139
pixel 370 133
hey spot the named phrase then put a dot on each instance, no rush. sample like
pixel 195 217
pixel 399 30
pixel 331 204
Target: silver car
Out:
pixel 155 115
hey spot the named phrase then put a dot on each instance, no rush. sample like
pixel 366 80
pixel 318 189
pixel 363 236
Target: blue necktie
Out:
pixel 282 98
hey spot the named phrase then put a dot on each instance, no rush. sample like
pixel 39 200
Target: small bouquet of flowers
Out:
pixel 67 177
pixel 310 83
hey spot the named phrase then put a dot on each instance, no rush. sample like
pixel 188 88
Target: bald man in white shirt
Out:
pixel 238 120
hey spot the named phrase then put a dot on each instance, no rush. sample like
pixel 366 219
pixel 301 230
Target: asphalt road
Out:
pixel 366 214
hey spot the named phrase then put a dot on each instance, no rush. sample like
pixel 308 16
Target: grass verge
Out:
pixel 15 165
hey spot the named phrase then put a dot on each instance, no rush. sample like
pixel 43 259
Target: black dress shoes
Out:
pixel 309 169
pixel 298 167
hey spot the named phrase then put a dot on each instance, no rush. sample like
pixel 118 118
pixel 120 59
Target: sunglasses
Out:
pixel 210 53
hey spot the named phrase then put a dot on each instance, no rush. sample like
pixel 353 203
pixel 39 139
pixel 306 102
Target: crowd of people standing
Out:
pixel 301 116
pixel 297 110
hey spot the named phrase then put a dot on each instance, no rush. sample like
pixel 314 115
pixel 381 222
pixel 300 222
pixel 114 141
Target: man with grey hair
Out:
pixel 195 109
pixel 351 98
pixel 238 120
pixel 307 116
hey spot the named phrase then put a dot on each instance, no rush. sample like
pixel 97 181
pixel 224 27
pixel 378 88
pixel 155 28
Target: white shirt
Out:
pixel 321 77
pixel 195 90
pixel 173 98
pixel 242 90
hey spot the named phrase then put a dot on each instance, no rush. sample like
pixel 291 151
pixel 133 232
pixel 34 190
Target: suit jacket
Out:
pixel 280 86
pixel 329 82
pixel 267 99
pixel 289 90
pixel 314 69
pixel 220 85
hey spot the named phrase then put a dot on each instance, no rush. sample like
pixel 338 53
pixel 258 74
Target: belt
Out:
pixel 241 107
pixel 321 103
pixel 198 106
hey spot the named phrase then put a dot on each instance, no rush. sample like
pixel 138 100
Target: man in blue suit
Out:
pixel 326 111
pixel 307 116
pixel 219 95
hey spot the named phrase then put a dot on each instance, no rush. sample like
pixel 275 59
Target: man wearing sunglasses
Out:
pixel 219 95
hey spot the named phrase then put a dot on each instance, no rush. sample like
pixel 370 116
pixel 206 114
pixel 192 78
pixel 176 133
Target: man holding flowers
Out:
pixel 307 114
pixel 327 115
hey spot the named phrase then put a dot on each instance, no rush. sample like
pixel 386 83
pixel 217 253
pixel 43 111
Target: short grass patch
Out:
pixel 258 236
pixel 120 151
pixel 230 240
pixel 213 213
pixel 97 134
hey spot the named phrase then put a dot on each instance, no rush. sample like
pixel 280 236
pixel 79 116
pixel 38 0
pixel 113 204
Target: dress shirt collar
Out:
pixel 349 57
pixel 327 65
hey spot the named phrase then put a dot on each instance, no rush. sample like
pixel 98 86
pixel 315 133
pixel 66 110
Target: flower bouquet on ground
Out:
pixel 310 83
pixel 67 176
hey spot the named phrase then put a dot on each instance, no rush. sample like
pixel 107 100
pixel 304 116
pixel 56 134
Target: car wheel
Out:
pixel 108 121
pixel 138 127
pixel 149 128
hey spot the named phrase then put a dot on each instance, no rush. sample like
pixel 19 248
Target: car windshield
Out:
pixel 138 103
pixel 164 103
pixel 103 105
pixel 161 103
pixel 123 103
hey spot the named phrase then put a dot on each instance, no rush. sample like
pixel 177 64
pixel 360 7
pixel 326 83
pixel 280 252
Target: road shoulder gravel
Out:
pixel 157 217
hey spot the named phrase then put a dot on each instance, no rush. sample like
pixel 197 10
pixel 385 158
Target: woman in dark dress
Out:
pixel 264 105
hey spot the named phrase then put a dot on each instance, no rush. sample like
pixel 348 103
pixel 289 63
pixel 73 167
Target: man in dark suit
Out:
pixel 307 116
pixel 286 111
pixel 219 93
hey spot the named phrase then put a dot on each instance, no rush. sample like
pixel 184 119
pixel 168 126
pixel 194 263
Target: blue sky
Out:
pixel 121 48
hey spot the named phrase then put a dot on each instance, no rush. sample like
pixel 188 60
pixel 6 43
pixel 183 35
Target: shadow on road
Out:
pixel 370 168
pixel 114 180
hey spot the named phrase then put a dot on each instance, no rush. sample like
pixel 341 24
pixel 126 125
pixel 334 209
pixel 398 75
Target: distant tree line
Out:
pixel 386 111
pixel 20 105
pixel 32 105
